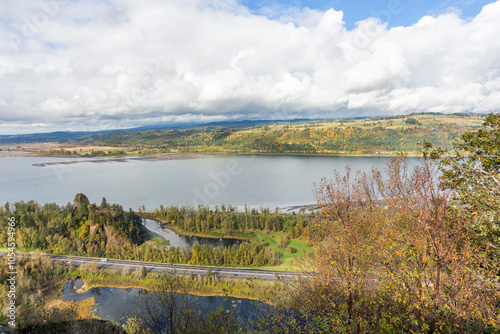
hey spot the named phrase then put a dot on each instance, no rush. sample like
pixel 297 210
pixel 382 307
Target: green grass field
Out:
pixel 286 255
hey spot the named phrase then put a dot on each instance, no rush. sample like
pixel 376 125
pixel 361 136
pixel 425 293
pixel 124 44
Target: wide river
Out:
pixel 269 181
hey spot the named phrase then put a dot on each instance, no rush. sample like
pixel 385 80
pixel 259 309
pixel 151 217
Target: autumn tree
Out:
pixel 393 254
pixel 472 173
pixel 433 269
pixel 346 234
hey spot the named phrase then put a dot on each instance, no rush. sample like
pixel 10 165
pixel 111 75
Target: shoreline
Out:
pixel 164 156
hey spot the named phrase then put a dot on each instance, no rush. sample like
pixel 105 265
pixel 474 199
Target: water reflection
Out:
pixel 72 286
pixel 110 303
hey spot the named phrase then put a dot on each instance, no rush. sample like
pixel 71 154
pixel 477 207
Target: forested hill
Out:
pixel 382 135
pixel 79 229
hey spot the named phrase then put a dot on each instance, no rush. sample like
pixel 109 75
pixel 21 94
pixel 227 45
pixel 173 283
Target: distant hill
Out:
pixel 66 136
pixel 377 135
pixel 59 136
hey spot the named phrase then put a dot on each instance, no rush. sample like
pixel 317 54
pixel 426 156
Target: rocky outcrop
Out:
pixel 80 200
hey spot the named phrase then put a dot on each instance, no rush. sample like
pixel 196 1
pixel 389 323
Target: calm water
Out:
pixel 268 181
pixel 177 240
pixel 118 304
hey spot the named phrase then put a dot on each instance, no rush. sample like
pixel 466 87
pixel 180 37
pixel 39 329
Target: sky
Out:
pixel 70 65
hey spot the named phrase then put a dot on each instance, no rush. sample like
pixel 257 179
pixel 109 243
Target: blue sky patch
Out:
pixel 393 12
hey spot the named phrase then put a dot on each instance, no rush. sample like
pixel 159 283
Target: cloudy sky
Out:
pixel 102 64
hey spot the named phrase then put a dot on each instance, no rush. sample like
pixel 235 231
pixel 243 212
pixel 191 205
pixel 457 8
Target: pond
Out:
pixel 118 305
pixel 177 240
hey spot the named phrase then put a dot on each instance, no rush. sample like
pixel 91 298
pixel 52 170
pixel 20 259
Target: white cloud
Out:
pixel 76 64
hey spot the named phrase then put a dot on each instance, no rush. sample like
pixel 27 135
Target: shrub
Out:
pixel 283 241
pixel 412 121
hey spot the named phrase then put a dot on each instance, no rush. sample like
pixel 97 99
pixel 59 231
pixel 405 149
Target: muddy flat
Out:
pixel 159 157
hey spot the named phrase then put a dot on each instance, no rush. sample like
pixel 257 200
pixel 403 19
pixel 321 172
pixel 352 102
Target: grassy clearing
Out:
pixel 286 255
pixel 19 249
pixel 158 240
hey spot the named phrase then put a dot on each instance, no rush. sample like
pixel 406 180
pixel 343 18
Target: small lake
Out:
pixel 117 304
pixel 177 240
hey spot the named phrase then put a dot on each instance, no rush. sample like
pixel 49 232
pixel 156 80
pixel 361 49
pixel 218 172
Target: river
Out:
pixel 268 181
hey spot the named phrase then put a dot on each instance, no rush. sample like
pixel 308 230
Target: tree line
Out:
pixel 228 221
pixel 244 254
pixel 109 231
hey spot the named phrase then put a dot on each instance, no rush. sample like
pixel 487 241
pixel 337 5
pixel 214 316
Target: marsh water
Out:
pixel 268 181
pixel 118 305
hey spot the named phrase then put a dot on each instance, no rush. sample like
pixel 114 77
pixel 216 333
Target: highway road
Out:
pixel 222 272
